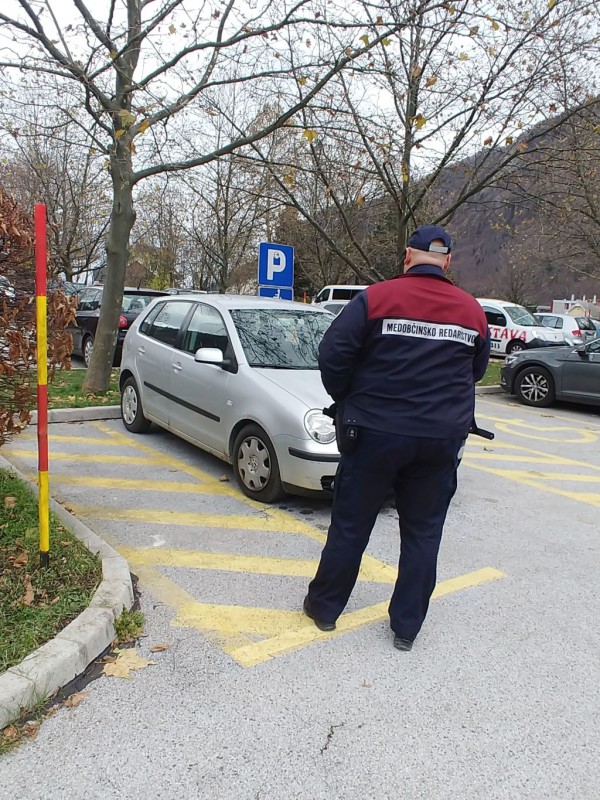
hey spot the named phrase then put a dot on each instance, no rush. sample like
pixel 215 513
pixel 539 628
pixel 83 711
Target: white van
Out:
pixel 341 293
pixel 513 328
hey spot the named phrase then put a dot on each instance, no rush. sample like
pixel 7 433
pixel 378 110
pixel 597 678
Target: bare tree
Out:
pixel 136 67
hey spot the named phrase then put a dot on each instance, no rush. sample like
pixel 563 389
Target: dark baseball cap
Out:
pixel 424 235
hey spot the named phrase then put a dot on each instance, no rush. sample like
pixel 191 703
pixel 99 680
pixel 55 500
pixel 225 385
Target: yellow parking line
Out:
pixel 96 458
pixel 533 459
pixel 174 487
pixel 233 562
pixel 59 437
pixel 523 474
pixel 162 517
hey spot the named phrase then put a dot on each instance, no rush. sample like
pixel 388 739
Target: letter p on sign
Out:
pixel 275 263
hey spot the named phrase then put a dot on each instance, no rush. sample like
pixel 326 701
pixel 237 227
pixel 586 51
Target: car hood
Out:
pixel 543 353
pixel 303 384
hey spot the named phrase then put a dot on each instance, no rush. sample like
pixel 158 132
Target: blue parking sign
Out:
pixel 281 292
pixel 275 265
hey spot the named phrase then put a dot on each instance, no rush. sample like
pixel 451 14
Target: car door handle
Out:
pixel 177 366
pixel 141 350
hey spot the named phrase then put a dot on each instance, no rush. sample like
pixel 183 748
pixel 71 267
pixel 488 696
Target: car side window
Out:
pixel 147 322
pixel 205 329
pixel 166 324
pixel 342 294
pixel 322 296
pixel 494 317
pixel 90 300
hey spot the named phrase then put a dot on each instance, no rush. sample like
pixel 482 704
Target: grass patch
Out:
pixel 129 626
pixel 492 374
pixel 36 603
pixel 65 391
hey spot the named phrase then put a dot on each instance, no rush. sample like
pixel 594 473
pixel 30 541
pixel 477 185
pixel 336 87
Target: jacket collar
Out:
pixel 432 270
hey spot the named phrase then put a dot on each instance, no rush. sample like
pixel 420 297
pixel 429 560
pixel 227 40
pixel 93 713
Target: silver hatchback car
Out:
pixel 238 376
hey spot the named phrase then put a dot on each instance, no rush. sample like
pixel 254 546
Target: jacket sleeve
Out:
pixel 341 347
pixel 482 355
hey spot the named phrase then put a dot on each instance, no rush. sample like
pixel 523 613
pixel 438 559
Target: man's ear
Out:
pixel 408 257
pixel 447 262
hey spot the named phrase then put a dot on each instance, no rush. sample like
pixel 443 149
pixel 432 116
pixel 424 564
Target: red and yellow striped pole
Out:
pixel 41 266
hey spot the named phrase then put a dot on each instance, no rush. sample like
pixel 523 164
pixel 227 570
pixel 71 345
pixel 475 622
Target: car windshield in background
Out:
pixel 137 302
pixel 520 315
pixel 280 339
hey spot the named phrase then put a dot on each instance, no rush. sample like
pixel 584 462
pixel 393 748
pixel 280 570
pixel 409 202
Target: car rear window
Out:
pixel 585 324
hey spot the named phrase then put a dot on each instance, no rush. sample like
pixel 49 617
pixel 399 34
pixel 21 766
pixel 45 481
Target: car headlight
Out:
pixel 319 426
pixel 510 360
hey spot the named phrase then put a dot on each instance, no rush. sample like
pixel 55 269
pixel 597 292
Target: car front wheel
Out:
pixel 535 387
pixel 132 413
pixel 255 465
pixel 516 346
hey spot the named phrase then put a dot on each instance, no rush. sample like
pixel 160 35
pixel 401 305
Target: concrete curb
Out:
pixel 63 658
pixel 489 390
pixel 80 414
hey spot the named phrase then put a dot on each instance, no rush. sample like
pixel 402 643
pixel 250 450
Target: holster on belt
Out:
pixel 346 436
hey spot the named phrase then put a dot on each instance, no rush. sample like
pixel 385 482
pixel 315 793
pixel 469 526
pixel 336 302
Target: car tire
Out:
pixel 86 349
pixel 255 465
pixel 132 413
pixel 516 346
pixel 534 386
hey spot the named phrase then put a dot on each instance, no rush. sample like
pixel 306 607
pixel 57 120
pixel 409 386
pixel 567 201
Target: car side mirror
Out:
pixel 582 351
pixel 209 355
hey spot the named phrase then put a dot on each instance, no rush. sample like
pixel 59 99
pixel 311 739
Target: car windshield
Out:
pixel 136 302
pixel 520 315
pixel 280 339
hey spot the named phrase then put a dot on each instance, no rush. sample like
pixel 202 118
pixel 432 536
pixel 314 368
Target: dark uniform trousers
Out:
pixel 422 473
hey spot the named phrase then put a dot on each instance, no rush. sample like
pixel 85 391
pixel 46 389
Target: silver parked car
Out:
pixel 237 376
pixel 575 330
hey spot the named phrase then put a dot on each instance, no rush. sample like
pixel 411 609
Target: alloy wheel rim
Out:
pixel 535 387
pixel 254 463
pixel 87 352
pixel 129 405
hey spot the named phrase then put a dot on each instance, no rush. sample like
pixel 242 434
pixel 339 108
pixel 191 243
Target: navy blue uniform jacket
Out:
pixel 404 355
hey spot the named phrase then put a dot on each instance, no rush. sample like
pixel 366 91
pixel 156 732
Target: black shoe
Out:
pixel 402 644
pixel 322 626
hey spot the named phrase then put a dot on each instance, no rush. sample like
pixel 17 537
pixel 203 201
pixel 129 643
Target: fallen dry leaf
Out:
pixel 10 502
pixel 31 729
pixel 127 660
pixel 22 559
pixel 75 699
pixel 28 596
pixel 65 544
pixel 10 733
pixel 158 648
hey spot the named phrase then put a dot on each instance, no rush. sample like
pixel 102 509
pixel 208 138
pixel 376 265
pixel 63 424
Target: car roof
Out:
pixel 503 303
pixel 241 301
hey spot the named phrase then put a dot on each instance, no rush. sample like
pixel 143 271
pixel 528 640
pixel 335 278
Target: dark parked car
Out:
pixel 88 311
pixel 539 377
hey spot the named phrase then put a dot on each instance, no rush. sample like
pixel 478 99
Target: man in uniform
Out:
pixel 401 362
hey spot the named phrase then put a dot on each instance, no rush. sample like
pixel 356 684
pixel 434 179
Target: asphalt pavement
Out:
pixel 498 698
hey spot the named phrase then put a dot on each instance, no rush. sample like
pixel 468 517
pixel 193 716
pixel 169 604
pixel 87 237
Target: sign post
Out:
pixel 276 270
pixel 42 379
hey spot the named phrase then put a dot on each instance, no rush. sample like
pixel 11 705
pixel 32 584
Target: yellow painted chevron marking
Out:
pixel 59 437
pixel 305 631
pixel 371 570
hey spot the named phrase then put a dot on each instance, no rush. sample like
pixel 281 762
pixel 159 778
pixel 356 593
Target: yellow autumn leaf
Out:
pixel 419 121
pixel 365 39
pixel 119 133
pixel 495 26
pixel 302 80
pixel 127 118
pixel 463 57
pixel 404 173
pixel 474 30
pixel 452 9
pixel 551 4
pixel 509 140
pixel 126 661
pixel 360 200
pixel 310 135
pixel 492 51
pixel 386 42
pixel 113 54
pixel 172 28
pixel 348 51
pixel 144 124
pixel 431 81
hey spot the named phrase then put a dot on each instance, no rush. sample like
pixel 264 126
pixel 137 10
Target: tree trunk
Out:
pixel 122 218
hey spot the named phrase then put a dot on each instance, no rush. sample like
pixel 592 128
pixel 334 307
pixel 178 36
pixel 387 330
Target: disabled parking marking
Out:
pixel 566 434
